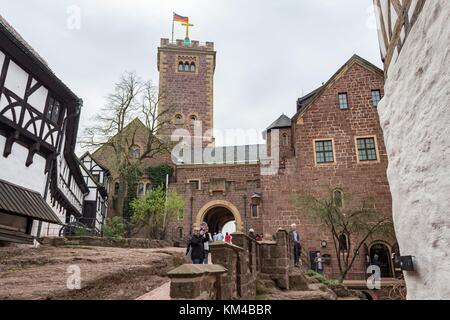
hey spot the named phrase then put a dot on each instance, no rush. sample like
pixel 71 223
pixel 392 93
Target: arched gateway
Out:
pixel 218 213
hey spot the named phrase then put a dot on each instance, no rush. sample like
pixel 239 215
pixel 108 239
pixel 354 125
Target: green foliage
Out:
pixel 132 174
pixel 322 278
pixel 81 230
pixel 155 210
pixel 114 228
pixel 158 174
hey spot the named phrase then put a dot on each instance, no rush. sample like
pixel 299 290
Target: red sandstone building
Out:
pixel 333 143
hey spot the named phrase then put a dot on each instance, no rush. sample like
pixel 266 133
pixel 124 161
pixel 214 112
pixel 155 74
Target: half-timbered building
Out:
pixel 41 182
pixel 95 207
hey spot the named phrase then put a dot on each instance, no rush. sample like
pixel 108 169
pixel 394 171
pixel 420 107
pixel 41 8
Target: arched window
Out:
pixel 178 119
pixel 181 67
pixel 116 188
pixel 135 152
pixel 180 233
pixel 187 67
pixel 338 198
pixel 193 120
pixel 192 67
pixel 343 243
pixel 140 190
pixel 148 187
pixel 285 139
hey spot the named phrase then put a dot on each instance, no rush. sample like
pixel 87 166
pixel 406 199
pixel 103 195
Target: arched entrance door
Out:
pixel 219 213
pixel 380 255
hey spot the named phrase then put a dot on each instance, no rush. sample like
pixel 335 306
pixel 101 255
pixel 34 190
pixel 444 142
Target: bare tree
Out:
pixel 131 98
pixel 357 225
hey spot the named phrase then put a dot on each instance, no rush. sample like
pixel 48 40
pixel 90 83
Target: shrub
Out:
pixel 114 228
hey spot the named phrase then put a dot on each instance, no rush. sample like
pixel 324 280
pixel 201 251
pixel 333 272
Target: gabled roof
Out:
pixel 308 100
pixel 88 154
pixel 282 122
pixel 99 185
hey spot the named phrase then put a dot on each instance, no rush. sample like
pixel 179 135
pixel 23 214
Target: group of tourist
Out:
pixel 198 246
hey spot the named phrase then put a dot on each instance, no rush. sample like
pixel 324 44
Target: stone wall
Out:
pixel 197 282
pixel 106 242
pixel 416 122
pixel 235 270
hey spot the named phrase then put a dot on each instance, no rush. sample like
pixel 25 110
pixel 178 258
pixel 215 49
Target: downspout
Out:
pixel 192 215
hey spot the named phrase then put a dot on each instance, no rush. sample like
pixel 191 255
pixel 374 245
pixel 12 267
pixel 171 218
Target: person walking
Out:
pixel 206 243
pixel 196 247
pixel 252 234
pixel 295 237
pixel 319 263
pixel 228 238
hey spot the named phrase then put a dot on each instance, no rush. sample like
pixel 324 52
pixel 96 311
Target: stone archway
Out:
pixel 223 211
pixel 380 255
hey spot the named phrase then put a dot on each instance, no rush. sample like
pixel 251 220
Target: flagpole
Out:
pixel 173 26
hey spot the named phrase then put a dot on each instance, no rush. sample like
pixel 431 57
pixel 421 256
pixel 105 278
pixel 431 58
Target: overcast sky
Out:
pixel 269 52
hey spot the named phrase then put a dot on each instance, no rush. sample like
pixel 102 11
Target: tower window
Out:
pixel 343 101
pixel 376 97
pixel 254 210
pixel 194 120
pixel 181 67
pixel 343 243
pixel 192 67
pixel 116 188
pixel 178 119
pixel 187 67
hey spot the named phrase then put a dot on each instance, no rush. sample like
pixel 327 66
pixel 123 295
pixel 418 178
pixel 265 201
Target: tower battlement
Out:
pixel 194 44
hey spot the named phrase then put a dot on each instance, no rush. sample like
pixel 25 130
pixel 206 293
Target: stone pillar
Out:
pixel 248 264
pixel 228 256
pixel 197 282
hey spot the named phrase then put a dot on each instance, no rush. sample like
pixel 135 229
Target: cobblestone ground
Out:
pixel 106 273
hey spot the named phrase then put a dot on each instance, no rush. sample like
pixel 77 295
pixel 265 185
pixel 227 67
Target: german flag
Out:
pixel 179 18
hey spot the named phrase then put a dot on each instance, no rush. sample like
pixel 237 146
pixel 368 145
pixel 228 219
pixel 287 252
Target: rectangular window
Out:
pixel 324 151
pixel 376 97
pixel 367 150
pixel 254 211
pixel 195 184
pixel 53 111
pixel 343 101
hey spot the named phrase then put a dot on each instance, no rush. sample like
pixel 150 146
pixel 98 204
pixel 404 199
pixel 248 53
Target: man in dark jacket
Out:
pixel 196 247
pixel 295 237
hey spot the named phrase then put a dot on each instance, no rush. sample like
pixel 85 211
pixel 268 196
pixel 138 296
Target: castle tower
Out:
pixel 186 83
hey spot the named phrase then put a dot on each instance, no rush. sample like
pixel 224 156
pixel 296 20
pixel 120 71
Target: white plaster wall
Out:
pixel 16 79
pixel 415 115
pixel 13 169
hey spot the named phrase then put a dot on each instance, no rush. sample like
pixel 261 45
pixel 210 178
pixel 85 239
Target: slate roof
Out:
pixel 282 122
pixel 19 201
pixel 305 100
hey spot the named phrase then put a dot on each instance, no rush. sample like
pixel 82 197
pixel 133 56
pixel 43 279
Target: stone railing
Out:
pixel 198 282
pixel 235 269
